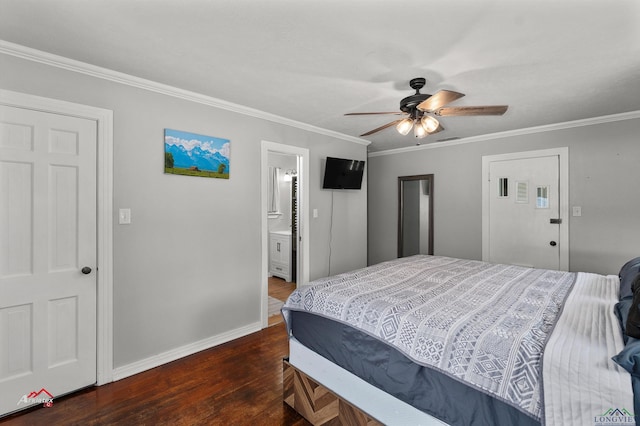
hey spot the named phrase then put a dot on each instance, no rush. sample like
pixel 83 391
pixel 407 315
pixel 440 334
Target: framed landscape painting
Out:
pixel 192 154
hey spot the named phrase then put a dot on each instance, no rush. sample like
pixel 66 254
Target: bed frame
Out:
pixel 318 404
pixel 326 394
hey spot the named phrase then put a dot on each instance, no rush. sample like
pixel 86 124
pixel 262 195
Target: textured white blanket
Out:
pixel 582 385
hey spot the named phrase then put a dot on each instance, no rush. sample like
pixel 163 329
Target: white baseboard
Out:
pixel 186 350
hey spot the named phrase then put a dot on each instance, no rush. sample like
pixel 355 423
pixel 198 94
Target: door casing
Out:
pixel 563 185
pixel 104 291
pixel 303 215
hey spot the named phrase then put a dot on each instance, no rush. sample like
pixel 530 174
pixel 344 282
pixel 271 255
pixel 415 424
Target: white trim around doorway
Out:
pixel 104 293
pixel 563 161
pixel 303 214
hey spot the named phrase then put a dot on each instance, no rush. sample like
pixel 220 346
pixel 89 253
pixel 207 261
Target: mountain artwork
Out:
pixel 193 154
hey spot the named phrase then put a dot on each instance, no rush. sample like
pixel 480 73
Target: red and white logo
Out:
pixel 43 397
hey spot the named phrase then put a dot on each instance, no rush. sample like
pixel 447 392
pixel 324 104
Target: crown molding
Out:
pixel 72 65
pixel 526 131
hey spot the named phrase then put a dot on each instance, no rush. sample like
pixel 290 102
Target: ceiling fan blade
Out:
pixel 471 110
pixel 438 100
pixel 375 113
pixel 393 123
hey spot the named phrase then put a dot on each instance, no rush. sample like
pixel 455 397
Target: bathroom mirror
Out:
pixel 415 215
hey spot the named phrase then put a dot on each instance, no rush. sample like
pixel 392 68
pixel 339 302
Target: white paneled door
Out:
pixel 524 210
pixel 47 256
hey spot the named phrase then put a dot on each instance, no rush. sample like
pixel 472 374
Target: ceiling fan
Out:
pixel 418 111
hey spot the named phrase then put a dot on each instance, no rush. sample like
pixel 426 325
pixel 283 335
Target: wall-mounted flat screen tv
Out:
pixel 341 173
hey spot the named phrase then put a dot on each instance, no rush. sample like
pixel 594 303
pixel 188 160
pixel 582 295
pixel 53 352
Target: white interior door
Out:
pixel 47 237
pixel 524 208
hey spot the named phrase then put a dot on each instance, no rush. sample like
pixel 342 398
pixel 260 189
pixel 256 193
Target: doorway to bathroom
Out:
pixel 282 223
pixel 284 243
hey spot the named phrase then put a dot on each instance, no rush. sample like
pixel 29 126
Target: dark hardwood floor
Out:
pixel 237 383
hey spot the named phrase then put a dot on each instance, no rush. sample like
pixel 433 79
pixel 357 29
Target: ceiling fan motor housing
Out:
pixel 410 103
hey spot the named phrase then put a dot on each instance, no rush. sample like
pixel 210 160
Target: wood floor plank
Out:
pixel 237 383
pixel 279 289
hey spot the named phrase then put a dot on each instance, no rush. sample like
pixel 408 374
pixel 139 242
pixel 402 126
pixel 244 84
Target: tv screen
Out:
pixel 341 173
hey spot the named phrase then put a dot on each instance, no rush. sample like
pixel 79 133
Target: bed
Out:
pixel 436 340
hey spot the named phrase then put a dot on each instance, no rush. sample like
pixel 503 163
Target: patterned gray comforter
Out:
pixel 481 323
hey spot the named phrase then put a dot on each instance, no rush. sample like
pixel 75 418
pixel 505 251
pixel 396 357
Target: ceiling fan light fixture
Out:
pixel 429 123
pixel 404 126
pixel 419 131
pixel 418 110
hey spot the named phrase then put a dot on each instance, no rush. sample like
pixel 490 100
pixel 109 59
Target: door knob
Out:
pixel 552 243
pixel 86 270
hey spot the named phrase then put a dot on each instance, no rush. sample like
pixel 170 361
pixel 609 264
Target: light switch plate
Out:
pixel 124 216
pixel 577 211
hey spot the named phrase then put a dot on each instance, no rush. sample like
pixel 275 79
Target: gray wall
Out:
pixel 604 178
pixel 189 265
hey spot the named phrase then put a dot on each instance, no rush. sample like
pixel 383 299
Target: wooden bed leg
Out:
pixel 316 403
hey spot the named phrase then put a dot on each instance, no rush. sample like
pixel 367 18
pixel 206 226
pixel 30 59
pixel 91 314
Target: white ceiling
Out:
pixel 314 60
